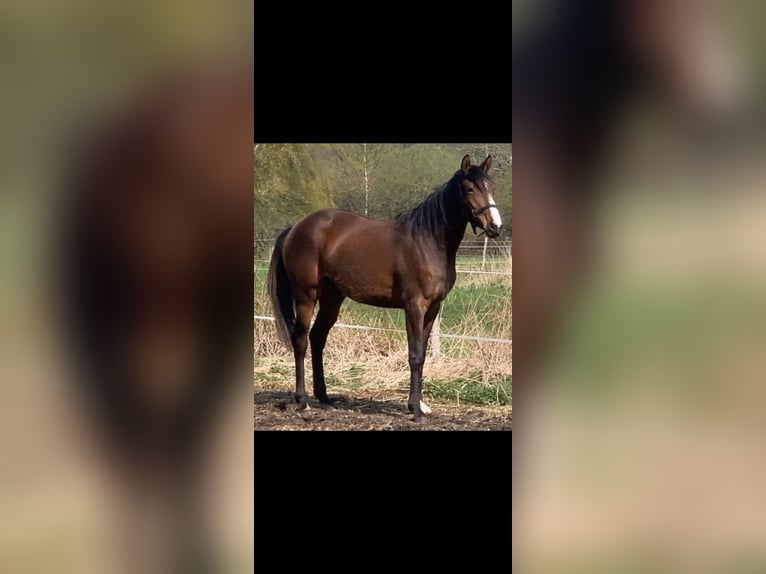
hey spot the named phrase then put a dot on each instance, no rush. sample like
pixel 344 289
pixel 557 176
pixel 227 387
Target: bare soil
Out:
pixel 276 410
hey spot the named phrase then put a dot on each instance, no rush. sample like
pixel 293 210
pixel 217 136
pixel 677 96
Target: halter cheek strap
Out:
pixel 477 212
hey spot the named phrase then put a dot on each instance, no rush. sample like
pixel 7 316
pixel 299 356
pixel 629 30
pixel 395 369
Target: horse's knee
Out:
pixel 416 363
pixel 300 344
pixel 415 355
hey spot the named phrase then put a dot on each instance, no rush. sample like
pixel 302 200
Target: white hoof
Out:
pixel 425 408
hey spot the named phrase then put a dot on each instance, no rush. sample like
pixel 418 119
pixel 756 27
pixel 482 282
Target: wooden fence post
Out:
pixel 484 254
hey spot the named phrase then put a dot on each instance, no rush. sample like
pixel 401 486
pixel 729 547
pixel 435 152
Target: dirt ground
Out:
pixel 276 410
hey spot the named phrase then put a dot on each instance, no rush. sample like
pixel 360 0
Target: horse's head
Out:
pixel 478 196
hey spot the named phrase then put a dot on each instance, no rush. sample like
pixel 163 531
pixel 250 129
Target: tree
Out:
pixel 356 169
pixel 287 186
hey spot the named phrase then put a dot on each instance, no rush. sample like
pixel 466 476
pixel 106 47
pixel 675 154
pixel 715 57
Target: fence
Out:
pixel 483 247
pixel 436 334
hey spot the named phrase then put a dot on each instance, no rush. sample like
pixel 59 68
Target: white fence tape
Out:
pixel 445 335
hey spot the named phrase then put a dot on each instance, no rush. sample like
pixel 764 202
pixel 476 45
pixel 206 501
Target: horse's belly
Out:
pixel 370 286
pixel 380 292
pixel 378 301
pixel 361 266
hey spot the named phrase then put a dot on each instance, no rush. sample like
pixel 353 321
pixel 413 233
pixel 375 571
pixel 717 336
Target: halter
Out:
pixel 477 212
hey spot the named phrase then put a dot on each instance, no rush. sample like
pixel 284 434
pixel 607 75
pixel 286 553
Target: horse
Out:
pixel 155 239
pixel 406 263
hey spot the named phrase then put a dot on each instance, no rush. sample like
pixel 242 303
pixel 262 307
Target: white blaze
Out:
pixel 495 213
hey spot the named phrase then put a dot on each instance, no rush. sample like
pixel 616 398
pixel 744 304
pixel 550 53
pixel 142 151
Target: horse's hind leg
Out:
pixel 303 312
pixel 329 307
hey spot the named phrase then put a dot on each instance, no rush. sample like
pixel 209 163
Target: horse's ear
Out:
pixel 486 164
pixel 465 165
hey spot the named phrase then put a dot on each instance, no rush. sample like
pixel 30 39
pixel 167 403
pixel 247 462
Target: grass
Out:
pixel 466 372
pixel 471 391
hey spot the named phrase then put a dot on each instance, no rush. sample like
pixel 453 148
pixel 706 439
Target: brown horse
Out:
pixel 406 263
pixel 155 236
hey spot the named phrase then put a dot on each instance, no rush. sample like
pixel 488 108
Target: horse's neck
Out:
pixel 453 230
pixel 454 241
pixel 453 237
pixel 446 234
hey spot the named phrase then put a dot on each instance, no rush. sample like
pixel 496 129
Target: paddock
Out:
pixel 468 374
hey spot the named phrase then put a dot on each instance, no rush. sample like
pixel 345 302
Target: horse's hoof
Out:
pixel 419 410
pixel 326 401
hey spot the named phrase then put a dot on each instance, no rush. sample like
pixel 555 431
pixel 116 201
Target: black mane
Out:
pixel 437 213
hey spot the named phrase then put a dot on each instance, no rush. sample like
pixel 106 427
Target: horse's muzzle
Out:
pixel 492 230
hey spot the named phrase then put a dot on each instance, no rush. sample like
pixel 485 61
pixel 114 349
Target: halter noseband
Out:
pixel 477 212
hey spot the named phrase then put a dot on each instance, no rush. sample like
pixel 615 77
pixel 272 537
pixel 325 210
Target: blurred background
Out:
pixel 124 173
pixel 639 249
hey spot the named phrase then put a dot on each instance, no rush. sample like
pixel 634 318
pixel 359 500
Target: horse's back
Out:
pixel 328 229
pixel 312 233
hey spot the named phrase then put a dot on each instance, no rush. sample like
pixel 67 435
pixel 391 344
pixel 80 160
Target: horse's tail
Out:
pixel 280 292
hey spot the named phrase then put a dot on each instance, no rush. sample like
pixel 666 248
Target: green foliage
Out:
pixel 471 390
pixel 287 185
pixel 407 175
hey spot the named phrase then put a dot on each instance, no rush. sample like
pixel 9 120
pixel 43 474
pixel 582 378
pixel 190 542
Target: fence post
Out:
pixel 436 346
pixel 484 254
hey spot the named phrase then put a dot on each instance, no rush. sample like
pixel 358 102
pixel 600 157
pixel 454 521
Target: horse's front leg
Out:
pixel 428 323
pixel 416 343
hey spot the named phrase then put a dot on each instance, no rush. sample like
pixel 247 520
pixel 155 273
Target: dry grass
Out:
pixel 384 361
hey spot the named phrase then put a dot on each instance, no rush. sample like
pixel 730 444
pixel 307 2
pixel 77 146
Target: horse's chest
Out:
pixel 436 284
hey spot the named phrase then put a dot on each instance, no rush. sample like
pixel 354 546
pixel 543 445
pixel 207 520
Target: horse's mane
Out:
pixel 435 212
